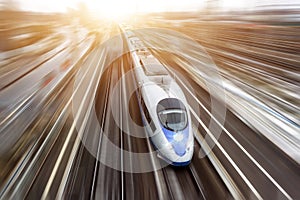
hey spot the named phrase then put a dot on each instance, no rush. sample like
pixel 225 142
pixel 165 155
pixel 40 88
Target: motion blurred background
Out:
pixel 52 52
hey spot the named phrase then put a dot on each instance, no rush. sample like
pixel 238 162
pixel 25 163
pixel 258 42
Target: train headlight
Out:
pixel 168 146
pixel 190 145
pixel 178 137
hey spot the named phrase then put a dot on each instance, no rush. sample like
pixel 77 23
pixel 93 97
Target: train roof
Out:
pixel 152 66
pixel 137 43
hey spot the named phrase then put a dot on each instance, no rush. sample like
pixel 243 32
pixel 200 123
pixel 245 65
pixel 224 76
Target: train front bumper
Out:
pixel 168 154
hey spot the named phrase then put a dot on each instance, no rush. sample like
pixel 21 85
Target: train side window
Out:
pixel 152 126
pixel 147 115
pixel 141 63
pixel 138 92
pixel 145 110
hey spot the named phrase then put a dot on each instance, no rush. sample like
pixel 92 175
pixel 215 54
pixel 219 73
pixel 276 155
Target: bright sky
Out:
pixel 128 6
pixel 120 7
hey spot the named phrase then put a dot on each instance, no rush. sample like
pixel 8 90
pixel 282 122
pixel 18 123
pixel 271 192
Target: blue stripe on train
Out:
pixel 179 146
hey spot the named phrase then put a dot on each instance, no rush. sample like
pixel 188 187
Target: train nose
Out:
pixel 178 137
pixel 179 144
pixel 179 148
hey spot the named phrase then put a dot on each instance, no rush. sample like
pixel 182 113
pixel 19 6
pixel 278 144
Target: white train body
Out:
pixel 163 106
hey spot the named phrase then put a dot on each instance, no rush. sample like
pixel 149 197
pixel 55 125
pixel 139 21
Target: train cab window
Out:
pixel 174 120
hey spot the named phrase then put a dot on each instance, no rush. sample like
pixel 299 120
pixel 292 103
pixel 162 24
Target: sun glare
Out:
pixel 116 9
pixel 113 9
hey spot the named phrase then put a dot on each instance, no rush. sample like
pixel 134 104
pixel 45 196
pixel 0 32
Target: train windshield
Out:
pixel 174 120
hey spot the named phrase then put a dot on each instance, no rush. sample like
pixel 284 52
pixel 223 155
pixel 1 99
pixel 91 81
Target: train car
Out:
pixel 163 106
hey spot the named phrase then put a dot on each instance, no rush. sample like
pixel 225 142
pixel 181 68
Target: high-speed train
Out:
pixel 163 106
